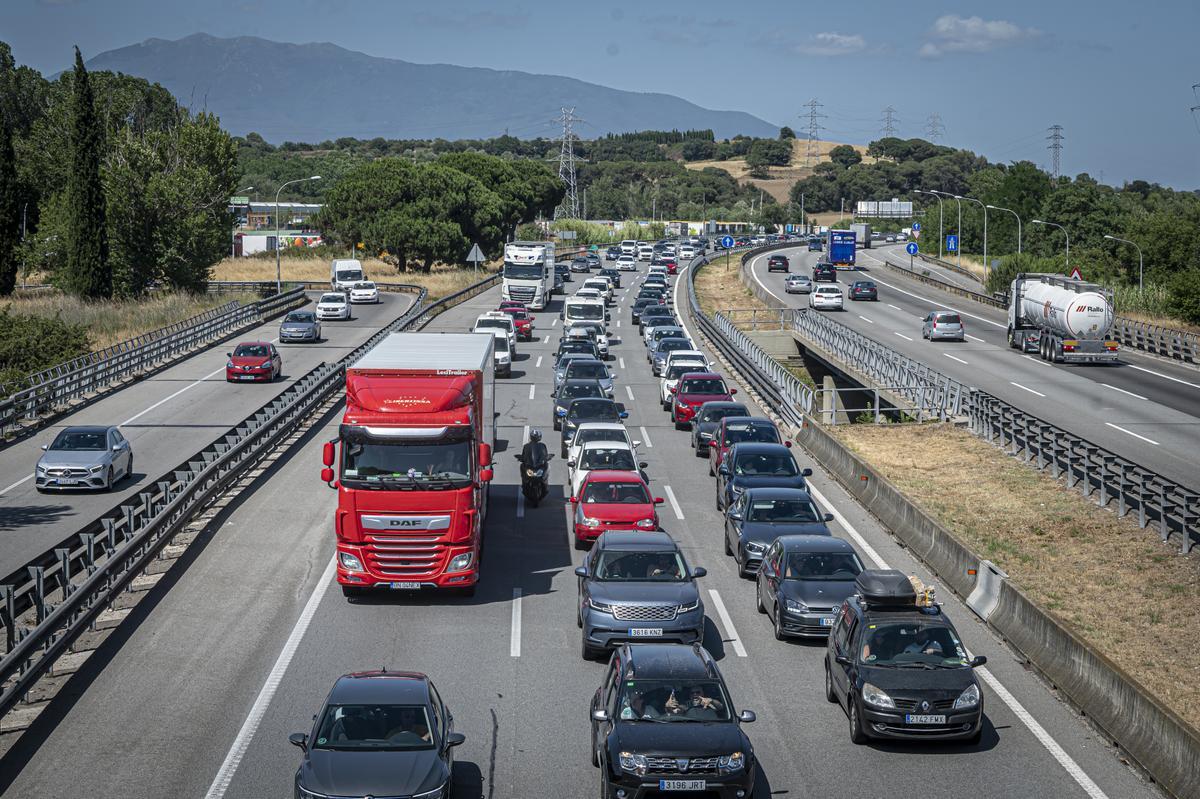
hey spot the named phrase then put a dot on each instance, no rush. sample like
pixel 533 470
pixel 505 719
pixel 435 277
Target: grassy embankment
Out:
pixel 781 179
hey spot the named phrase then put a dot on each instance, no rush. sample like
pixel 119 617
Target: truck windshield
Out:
pixel 523 271
pixel 349 275
pixel 396 464
pixel 588 311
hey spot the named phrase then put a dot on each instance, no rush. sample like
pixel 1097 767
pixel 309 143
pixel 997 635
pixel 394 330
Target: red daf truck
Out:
pixel 413 459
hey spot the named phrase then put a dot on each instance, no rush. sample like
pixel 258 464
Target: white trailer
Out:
pixel 1061 319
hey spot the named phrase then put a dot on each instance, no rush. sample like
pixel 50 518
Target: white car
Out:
pixel 608 455
pixel 686 355
pixel 601 285
pixel 599 431
pixel 333 305
pixel 590 294
pixel 687 252
pixel 627 263
pixel 364 291
pixel 600 338
pixel 500 325
pixel 670 378
pixel 645 253
pixel 826 298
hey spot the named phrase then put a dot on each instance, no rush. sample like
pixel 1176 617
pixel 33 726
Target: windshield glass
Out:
pixel 607 458
pixel 500 323
pixel 300 316
pixel 79 440
pixel 404 464
pixel 582 347
pixel 948 319
pixel 673 701
pixel 364 285
pixel 765 463
pixel 523 271
pixel 347 275
pixel 599 434
pixel 705 386
pixel 616 493
pixel 374 727
pixel 251 351
pixel 572 391
pixel 596 410
pixel 588 370
pixel 912 645
pixel 782 511
pixel 666 331
pixel 750 432
pixel 677 370
pixel 672 344
pixel 592 311
pixel 618 566
pixel 822 566
pixel 333 298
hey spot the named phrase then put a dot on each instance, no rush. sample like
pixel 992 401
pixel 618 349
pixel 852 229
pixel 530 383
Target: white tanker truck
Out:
pixel 1062 319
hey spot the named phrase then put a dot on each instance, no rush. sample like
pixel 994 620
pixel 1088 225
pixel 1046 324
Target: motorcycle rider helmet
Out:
pixel 535 436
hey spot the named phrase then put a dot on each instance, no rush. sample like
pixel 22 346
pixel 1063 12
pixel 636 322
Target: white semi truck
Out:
pixel 529 272
pixel 1062 319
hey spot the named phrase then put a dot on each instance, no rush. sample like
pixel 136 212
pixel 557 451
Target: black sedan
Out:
pixel 864 290
pixel 571 390
pixel 777 263
pixel 639 305
pixel 801 582
pixel 563 271
pixel 612 253
pixel 379 733
pixel 588 409
pixel 577 346
pixel 753 465
pixel 760 515
pixel 708 418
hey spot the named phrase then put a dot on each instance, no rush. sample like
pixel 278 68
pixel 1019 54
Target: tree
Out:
pixel 1183 293
pixel 698 150
pixel 845 156
pixel 9 218
pixel 768 152
pixel 786 133
pixel 88 272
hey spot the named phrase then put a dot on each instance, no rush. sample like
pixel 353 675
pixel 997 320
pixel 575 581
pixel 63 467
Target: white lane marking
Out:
pixel 931 302
pixel 901 335
pixel 757 280
pixel 1123 391
pixel 629 391
pixel 532 389
pixel 865 319
pixel 1026 388
pixel 726 622
pixel 514 644
pixel 953 358
pixel 621 361
pixel 554 323
pixel 674 502
pixel 241 743
pixel 538 365
pixel 897 307
pixel 618 323
pixel 14 485
pixel 546 340
pixel 1039 361
pixel 1066 761
pixel 646 438
pixel 140 414
pixel 1130 432
pixel 1160 374
pixel 973 338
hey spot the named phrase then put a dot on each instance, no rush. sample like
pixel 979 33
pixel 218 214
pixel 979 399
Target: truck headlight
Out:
pixel 350 562
pixel 460 563
pixel 729 764
pixel 873 696
pixel 635 764
pixel 968 698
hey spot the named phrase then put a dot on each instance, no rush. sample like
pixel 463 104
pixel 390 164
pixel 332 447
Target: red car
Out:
pixel 253 361
pixel 506 304
pixel 671 264
pixel 733 429
pixel 522 320
pixel 693 390
pixel 612 500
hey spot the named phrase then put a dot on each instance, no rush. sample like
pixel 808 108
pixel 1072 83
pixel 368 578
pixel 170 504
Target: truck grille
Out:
pixel 408 556
pixel 644 612
pixel 671 765
pixel 521 293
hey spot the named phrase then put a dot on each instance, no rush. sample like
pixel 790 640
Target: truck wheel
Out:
pixel 1012 338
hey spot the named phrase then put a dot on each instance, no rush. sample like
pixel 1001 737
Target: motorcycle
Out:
pixel 535 480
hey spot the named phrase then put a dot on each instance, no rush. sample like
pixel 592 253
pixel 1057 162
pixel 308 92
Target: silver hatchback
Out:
pixel 91 457
pixel 798 284
pixel 943 325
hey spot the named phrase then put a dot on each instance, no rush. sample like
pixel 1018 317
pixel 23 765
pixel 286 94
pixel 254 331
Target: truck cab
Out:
pixel 529 274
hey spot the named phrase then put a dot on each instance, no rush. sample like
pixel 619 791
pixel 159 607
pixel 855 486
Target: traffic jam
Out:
pixel 412 465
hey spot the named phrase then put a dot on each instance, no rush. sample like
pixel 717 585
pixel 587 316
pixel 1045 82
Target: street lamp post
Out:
pixel 233 236
pixel 958 230
pixel 1067 235
pixel 1141 263
pixel 1014 213
pixel 984 207
pixel 941 237
pixel 278 241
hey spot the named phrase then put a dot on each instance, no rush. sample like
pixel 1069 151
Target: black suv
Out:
pixel 663 722
pixel 898 668
pixel 613 276
pixel 777 263
pixel 824 272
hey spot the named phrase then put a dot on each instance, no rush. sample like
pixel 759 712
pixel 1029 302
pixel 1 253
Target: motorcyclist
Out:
pixel 533 457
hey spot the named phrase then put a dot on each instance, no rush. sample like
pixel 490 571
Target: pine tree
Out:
pixel 9 232
pixel 88 271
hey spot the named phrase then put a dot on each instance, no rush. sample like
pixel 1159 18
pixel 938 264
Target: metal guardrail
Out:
pixel 266 287
pixel 54 388
pixel 68 586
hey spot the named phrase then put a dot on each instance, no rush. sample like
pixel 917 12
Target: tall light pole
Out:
pixel 941 237
pixel 1064 230
pixel 1141 264
pixel 233 236
pixel 984 207
pixel 278 241
pixel 958 230
pixel 1014 213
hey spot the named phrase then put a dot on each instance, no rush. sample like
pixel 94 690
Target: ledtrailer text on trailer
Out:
pixel 1062 319
pixel 414 464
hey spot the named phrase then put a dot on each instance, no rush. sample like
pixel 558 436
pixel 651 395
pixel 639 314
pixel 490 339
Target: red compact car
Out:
pixel 733 429
pixel 522 321
pixel 612 500
pixel 253 361
pixel 506 304
pixel 693 390
pixel 671 264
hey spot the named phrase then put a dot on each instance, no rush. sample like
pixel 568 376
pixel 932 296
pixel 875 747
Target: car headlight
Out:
pixel 635 764
pixel 436 793
pixel 794 606
pixel 645 524
pixel 96 469
pixel 873 696
pixel 755 547
pixel 968 698
pixel 265 365
pixel 460 563
pixel 229 365
pixel 600 606
pixel 41 469
pixel 689 608
pixel 304 793
pixel 588 521
pixel 728 764
pixel 350 562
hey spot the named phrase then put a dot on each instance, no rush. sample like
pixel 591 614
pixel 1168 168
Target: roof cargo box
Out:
pixel 885 587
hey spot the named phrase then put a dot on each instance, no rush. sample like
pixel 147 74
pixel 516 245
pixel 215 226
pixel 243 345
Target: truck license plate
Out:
pixel 912 718
pixel 405 586
pixel 645 632
pixel 682 785
pixel 827 621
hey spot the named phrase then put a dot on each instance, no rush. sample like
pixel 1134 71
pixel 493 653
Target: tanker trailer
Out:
pixel 1062 319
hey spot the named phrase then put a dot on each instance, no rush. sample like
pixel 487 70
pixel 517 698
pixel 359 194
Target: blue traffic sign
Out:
pixel 917 226
pixel 911 248
pixel 727 242
pixel 952 243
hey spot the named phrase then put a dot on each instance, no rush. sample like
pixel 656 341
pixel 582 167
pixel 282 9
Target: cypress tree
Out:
pixel 9 222
pixel 88 271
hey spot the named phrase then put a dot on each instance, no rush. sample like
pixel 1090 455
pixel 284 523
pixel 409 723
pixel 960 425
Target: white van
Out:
pixel 583 309
pixel 645 252
pixel 344 273
pixel 629 247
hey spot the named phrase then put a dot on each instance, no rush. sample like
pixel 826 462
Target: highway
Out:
pixel 196 694
pixel 1144 408
pixel 167 417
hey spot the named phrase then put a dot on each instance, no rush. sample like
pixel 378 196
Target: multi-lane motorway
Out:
pixel 197 692
pixel 1144 408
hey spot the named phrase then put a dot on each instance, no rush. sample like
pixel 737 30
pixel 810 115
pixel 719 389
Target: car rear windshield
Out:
pixel 765 463
pixel 615 565
pixel 631 493
pixel 581 346
pixel 782 510
pixel 765 433
pixel 501 323
pixel 585 311
pixel 587 370
pixel 251 351
pixel 822 566
pixel 719 413
pixel 616 458
pixel 599 434
pixel 75 440
pixel 672 344
pixel 703 386
pixel 864 284
pixel 948 319
pixel 374 728
pixel 678 370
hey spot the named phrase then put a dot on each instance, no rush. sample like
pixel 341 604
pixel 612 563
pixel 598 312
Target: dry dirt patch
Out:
pixel 441 281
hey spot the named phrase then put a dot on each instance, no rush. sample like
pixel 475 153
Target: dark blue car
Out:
pixel 760 515
pixel 750 464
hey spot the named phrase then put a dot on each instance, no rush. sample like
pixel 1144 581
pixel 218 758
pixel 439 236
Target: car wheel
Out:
pixel 779 634
pixel 564 451
pixel 758 603
pixel 108 481
pixel 557 426
pixel 129 468
pixel 701 451
pixel 728 549
pixel 857 736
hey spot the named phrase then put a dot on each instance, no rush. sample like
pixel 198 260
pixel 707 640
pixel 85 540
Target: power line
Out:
pixel 814 113
pixel 934 129
pixel 566 165
pixel 889 122
pixel 1055 147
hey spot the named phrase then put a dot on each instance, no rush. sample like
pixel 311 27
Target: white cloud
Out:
pixel 955 34
pixel 831 44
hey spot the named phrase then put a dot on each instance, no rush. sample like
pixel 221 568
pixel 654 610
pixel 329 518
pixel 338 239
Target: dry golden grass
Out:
pixel 441 281
pixel 1165 321
pixel 779 184
pixel 1118 586
pixel 113 321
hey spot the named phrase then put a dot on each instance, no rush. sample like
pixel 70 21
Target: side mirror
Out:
pixel 45 447
pixel 674 389
pixel 623 414
pixel 841 660
pixel 327 476
pixel 828 517
pixel 581 571
pixel 659 500
pixel 599 715
pixel 299 739
pixel 787 444
pixel 723 469
pixel 747 717
pixel 562 412
pixel 485 475
pixel 571 464
pixel 485 453
pixel 573 500
pixel 517 456
pixel 327 453
pixel 455 739
pixel 699 571
pixel 636 443
pixel 806 472
pixel 642 464
pixel 978 661
pixel 116 447
pixel 732 391
pixel 229 355
pixel 713 445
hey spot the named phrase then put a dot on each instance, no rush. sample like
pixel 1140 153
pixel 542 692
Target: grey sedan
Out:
pixel 300 326
pixel 798 284
pixel 636 586
pixel 84 458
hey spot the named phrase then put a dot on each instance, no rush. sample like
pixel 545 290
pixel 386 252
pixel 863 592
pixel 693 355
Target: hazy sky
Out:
pixel 1117 76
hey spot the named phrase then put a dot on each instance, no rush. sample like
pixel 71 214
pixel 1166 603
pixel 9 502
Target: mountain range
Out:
pixel 320 91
